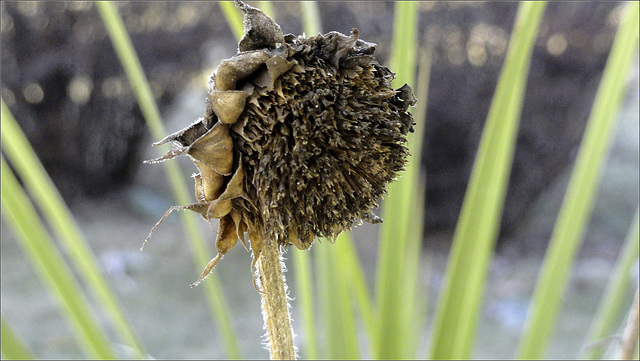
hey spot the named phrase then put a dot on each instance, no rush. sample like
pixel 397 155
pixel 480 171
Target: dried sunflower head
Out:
pixel 299 139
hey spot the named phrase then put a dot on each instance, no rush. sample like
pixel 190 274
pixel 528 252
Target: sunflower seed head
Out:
pixel 300 137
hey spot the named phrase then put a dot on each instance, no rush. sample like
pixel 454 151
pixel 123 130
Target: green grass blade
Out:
pixel 304 297
pixel 50 265
pixel 611 306
pixel 460 300
pixel 395 275
pixel 578 202
pixel 12 346
pixel 234 18
pixel 351 270
pixel 322 263
pixel 267 8
pixel 335 305
pixel 394 261
pixel 133 69
pixel 36 180
pixel 415 310
pixel 311 20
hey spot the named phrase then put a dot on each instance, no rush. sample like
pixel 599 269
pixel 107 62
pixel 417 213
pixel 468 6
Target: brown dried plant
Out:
pixel 300 137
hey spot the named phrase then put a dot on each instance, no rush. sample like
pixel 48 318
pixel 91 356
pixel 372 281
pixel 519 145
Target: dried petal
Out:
pixel 234 187
pixel 214 149
pixel 231 71
pixel 227 236
pixel 260 31
pixel 225 241
pixel 228 105
pixel 277 66
pixel 241 227
pixel 211 183
pixel 213 209
pixel 257 243
pixel 186 136
pixel 199 188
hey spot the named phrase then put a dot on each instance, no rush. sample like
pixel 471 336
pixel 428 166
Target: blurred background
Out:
pixel 63 83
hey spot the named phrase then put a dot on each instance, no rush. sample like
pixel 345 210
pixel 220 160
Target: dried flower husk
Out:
pixel 299 139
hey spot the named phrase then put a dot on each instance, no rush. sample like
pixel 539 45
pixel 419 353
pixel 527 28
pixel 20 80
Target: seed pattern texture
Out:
pixel 299 139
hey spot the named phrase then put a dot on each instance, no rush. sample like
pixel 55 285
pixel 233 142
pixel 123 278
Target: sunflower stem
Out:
pixel 275 305
pixel 630 335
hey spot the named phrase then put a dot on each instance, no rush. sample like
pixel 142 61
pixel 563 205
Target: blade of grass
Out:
pixel 394 261
pixel 50 266
pixel 321 256
pixel 133 69
pixel 459 304
pixel 611 306
pixel 36 180
pixel 335 305
pixel 267 8
pixel 234 18
pixel 351 270
pixel 342 307
pixel 578 202
pixel 311 20
pixel 12 346
pixel 415 313
pixel 304 283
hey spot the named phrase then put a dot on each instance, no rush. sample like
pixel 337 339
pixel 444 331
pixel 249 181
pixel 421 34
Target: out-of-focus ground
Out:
pixel 173 320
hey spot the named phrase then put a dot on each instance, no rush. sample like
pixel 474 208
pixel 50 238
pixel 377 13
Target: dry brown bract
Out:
pixel 299 139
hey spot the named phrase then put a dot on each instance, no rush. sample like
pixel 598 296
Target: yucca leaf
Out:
pixel 335 305
pixel 12 346
pixel 611 306
pixel 137 79
pixel 415 309
pixel 394 261
pixel 578 201
pixel 50 266
pixel 351 270
pixel 234 18
pixel 311 19
pixel 36 180
pixel 267 8
pixel 461 298
pixel 304 298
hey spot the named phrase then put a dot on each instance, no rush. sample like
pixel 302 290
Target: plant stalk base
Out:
pixel 275 306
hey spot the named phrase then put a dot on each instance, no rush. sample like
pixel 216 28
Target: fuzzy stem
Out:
pixel 630 336
pixel 275 307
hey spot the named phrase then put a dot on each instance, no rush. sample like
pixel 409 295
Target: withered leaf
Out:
pixel 227 237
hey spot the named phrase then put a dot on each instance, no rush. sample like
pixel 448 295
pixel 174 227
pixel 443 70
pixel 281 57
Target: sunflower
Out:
pixel 299 138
